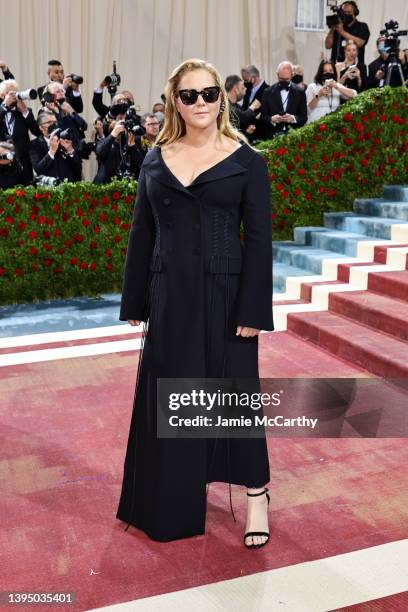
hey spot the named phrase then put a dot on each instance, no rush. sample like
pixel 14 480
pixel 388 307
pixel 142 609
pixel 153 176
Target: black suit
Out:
pixel 20 137
pixel 109 159
pixel 7 75
pixel 97 103
pixel 272 105
pixel 75 101
pixel 259 133
pixel 62 166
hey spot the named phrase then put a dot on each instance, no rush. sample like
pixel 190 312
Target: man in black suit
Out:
pixel 72 92
pixel 255 92
pixel 65 114
pixel 5 69
pixel 284 104
pixel 52 156
pixel 16 121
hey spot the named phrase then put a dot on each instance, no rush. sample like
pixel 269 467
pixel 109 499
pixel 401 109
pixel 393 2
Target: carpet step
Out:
pixel 375 227
pixel 391 284
pixel 377 352
pixel 377 207
pixel 345 243
pixel 385 314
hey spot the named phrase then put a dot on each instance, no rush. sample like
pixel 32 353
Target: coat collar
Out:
pixel 155 166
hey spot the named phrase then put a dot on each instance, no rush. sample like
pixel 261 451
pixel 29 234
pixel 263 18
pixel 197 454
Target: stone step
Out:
pixel 304 257
pixel 378 207
pixel 379 353
pixel 391 284
pixel 374 227
pixel 385 314
pixel 396 192
pixel 281 272
pixel 345 243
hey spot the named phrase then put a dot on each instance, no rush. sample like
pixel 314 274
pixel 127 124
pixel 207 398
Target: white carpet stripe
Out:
pixel 315 586
pixel 68 352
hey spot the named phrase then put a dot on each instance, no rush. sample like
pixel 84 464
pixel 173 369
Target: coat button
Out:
pixel 166 201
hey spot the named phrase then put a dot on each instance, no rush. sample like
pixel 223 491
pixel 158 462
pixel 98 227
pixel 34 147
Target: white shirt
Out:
pixel 325 104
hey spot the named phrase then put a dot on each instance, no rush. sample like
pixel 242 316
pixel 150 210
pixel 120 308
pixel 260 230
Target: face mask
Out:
pixel 382 48
pixel 327 75
pixel 284 84
pixel 298 78
pixel 347 19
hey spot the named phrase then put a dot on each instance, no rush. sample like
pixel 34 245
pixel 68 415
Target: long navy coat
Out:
pixel 189 277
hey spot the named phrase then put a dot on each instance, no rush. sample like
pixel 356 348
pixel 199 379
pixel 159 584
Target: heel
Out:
pixel 257 533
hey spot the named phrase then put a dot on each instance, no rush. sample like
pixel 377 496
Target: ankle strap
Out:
pixel 255 494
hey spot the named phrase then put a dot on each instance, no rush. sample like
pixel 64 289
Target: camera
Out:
pixel 132 124
pixel 46 181
pixel 76 78
pixel 48 97
pixel 63 134
pixel 27 94
pixel 113 80
pixel 118 109
pixel 392 36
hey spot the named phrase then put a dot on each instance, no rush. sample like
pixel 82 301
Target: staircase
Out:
pixel 344 286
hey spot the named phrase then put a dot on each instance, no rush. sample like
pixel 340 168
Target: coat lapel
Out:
pixel 156 168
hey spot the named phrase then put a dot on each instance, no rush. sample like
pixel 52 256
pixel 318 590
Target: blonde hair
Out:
pixel 174 126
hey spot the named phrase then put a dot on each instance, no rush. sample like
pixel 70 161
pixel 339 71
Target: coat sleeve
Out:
pixel 139 251
pixel 254 307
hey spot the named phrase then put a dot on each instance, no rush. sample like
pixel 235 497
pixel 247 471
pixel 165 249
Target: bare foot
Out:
pixel 257 517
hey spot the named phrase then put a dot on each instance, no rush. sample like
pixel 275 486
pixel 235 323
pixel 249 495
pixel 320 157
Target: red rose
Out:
pixel 93 244
pixel 322 189
pixel 302 146
pixel 383 118
pixel 281 151
pixel 9 199
pixel 2 271
pixel 105 200
pixel 32 234
pixel 116 195
pixel 37 196
pixel 109 266
pixel 364 162
pixel 65 217
pixel 97 229
pixel 83 265
pixel 79 212
pixel 55 207
pixel 108 252
pixel 20 193
pixel 118 238
pixel 60 251
pixel 18 272
pixel 73 261
pixel 322 127
pixel 57 270
pixel 85 222
pixel 129 199
pixel 33 250
pixel 46 234
pixel 47 246
pixel 48 262
pixel 103 217
pixel 56 232
pixel 9 220
pixel 348 117
pixel 68 242
pixel 348 141
pixel 289 166
pixel 42 219
pixel 3 231
pixel 92 266
pixel 116 221
pixel 301 171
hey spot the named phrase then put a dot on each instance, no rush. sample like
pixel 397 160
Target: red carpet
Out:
pixel 65 426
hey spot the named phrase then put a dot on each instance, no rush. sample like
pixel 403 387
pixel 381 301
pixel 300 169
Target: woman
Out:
pixel 324 95
pixel 350 73
pixel 206 298
pixel 298 76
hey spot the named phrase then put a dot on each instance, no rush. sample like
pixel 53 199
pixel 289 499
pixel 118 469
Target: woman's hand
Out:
pixel 133 322
pixel 247 332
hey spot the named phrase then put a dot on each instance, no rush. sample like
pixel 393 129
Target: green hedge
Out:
pixel 71 240
pixel 348 154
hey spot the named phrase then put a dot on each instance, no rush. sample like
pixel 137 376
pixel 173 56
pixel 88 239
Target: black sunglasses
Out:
pixel 190 96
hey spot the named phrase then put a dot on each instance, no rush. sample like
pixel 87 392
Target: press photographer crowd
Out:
pixel 52 146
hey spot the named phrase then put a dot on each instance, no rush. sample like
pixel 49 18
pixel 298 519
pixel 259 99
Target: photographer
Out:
pixel 54 99
pixel 70 84
pixel 52 153
pixel 144 142
pixel 117 153
pixel 347 28
pixel 16 121
pixel 324 95
pixel 5 70
pixel 377 68
pixel 11 171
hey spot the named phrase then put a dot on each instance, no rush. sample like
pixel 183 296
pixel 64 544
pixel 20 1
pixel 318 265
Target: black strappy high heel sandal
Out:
pixel 257 533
